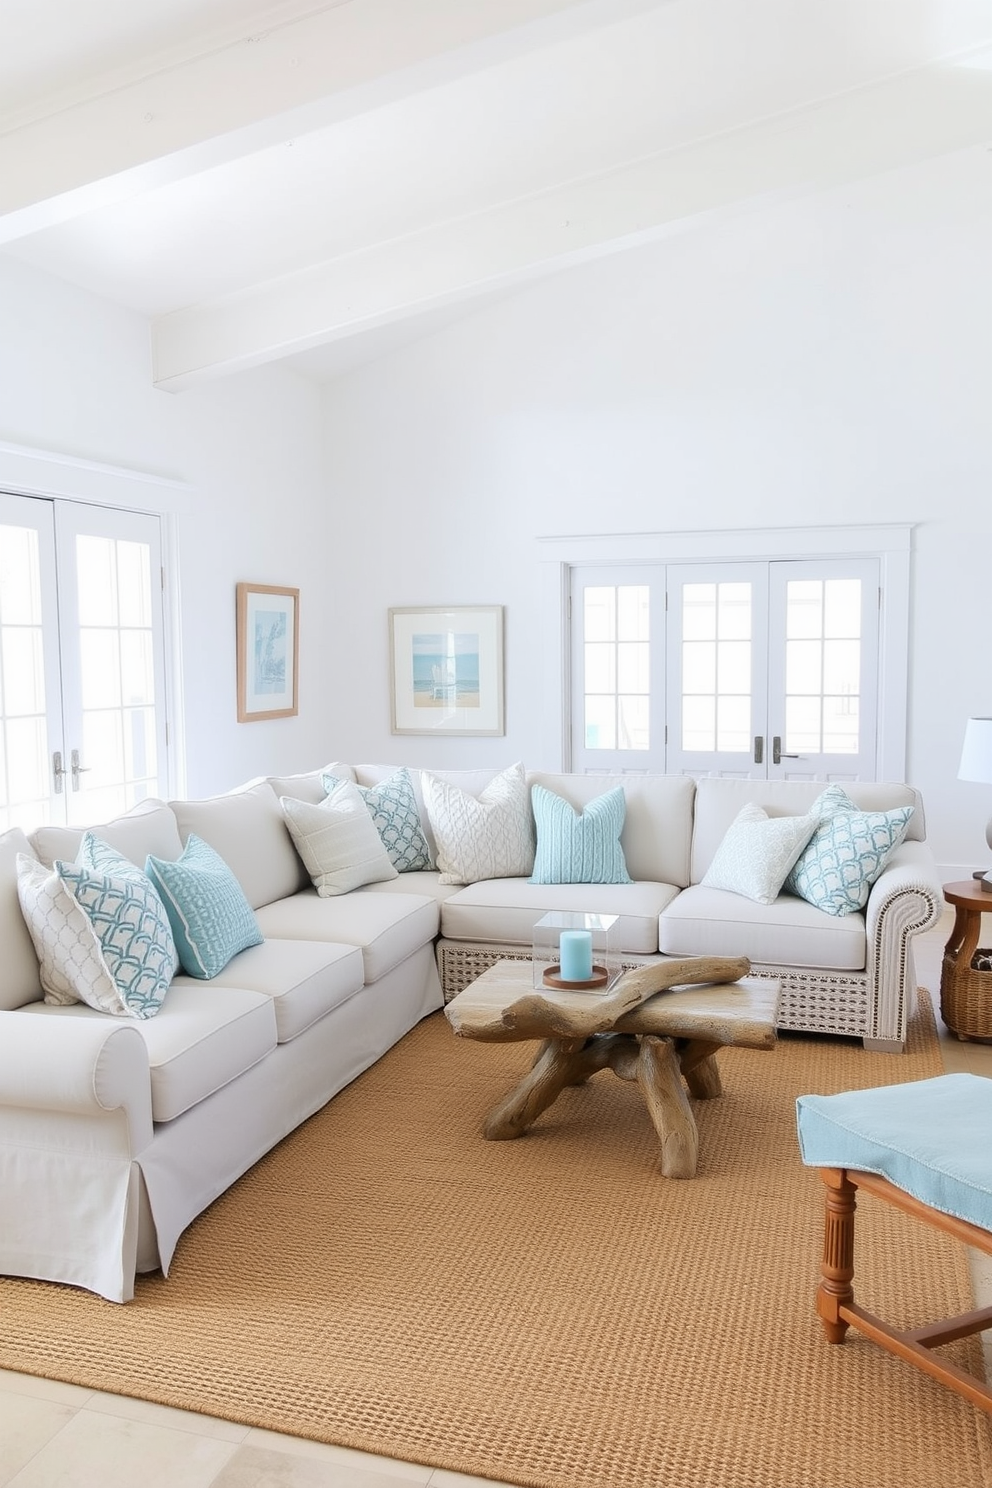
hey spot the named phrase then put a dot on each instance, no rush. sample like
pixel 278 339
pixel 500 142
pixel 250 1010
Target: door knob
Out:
pixel 777 755
pixel 77 769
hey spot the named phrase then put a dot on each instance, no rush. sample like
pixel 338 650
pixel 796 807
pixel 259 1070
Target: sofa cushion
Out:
pixel 719 800
pixel 20 980
pixel 578 847
pixel 486 836
pixel 846 853
pixel 338 841
pixel 386 927
pixel 211 918
pixel 394 810
pixel 505 910
pixel 790 932
pixel 657 828
pixel 304 978
pixel 309 786
pixel 202 1039
pixel 428 883
pixel 758 851
pixel 247 828
pixel 149 827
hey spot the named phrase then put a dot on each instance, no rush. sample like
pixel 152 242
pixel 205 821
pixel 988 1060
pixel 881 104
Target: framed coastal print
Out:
pixel 446 670
pixel 268 632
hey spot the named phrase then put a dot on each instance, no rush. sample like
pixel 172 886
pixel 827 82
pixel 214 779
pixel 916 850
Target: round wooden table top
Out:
pixel 968 894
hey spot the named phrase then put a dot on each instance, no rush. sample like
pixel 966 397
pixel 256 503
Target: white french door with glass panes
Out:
pixel 751 669
pixel 82 702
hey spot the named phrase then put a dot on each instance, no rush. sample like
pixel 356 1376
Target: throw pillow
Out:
pixel 757 853
pixel 210 917
pixel 101 940
pixel 579 846
pixel 846 852
pixel 337 841
pixel 97 855
pixel 486 836
pixel 393 808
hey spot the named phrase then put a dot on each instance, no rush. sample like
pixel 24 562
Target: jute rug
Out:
pixel 549 1311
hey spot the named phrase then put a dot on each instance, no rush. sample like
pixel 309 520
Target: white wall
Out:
pixel 820 361
pixel 75 380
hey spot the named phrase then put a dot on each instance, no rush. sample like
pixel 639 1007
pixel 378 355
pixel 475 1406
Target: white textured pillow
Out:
pixel 68 950
pixel 338 841
pixel 485 836
pixel 758 852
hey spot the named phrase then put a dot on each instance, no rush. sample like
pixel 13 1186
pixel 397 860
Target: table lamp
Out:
pixel 976 764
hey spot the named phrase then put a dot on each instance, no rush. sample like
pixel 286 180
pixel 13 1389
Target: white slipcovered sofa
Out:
pixel 115 1134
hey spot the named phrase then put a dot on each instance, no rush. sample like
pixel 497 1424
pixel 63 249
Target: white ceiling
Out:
pixel 317 182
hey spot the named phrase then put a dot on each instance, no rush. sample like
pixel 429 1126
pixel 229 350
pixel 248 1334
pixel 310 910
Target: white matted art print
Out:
pixel 446 669
pixel 268 628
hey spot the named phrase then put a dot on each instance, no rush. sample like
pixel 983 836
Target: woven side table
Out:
pixel 966 992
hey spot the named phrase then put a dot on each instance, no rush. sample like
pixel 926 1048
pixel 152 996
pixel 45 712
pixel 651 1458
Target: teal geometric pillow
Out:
pixel 846 853
pixel 393 807
pixel 210 917
pixel 131 929
pixel 576 847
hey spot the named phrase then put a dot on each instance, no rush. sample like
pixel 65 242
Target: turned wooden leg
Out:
pixel 660 1079
pixel 560 1062
pixel 697 1059
pixel 837 1268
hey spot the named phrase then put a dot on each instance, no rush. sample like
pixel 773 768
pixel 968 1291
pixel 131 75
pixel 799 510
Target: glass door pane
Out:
pixel 615 674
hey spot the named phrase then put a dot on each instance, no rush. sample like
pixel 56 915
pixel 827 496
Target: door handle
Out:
pixel 777 755
pixel 77 769
pixel 58 771
pixel 759 748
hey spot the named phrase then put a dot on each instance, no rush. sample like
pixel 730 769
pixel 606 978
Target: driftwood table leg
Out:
pixel 697 1059
pixel 837 1268
pixel 660 1079
pixel 560 1062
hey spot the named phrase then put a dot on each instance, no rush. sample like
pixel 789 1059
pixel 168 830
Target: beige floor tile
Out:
pixel 44 1389
pixel 164 1415
pixel 27 1424
pixel 99 1451
pixel 298 1446
pixel 256 1467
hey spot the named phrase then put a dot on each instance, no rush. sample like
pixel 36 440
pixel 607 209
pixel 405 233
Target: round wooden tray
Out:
pixel 600 977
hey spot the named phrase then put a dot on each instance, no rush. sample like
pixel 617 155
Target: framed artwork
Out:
pixel 268 652
pixel 446 670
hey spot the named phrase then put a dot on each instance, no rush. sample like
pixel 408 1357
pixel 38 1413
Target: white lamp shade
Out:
pixel 976 756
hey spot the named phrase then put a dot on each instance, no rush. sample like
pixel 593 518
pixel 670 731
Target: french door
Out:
pixel 752 669
pixel 82 699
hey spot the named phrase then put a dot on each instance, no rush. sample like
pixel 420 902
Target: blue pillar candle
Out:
pixel 575 955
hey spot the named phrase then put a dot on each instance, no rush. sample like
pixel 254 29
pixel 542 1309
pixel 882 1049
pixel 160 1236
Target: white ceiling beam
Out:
pixel 913 117
pixel 263 90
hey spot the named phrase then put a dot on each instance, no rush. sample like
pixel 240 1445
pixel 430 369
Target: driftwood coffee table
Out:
pixel 647 1028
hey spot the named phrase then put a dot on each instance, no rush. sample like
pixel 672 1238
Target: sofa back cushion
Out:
pixel 246 827
pixel 20 982
pixel 148 828
pixel 719 801
pixel 308 786
pixel 657 829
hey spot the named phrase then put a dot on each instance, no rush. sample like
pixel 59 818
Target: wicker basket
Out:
pixel 966 995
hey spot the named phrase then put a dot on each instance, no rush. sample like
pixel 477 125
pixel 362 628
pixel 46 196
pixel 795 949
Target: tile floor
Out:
pixel 61 1436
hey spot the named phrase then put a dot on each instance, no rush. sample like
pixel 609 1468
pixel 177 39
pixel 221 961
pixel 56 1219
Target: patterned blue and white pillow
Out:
pixel 210 917
pixel 846 853
pixel 579 846
pixel 393 807
pixel 132 939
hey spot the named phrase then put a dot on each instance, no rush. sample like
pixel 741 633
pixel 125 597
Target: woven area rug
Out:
pixel 550 1311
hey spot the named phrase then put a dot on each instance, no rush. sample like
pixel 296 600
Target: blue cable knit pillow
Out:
pixel 393 807
pixel 210 917
pixel 846 853
pixel 579 847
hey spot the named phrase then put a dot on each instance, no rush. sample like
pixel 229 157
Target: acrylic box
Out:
pixel 575 951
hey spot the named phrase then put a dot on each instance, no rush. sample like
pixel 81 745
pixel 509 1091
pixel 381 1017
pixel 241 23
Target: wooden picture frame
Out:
pixel 446 669
pixel 268 640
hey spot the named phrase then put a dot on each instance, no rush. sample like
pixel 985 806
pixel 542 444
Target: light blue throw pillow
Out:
pixel 210 917
pixel 579 847
pixel 393 808
pixel 129 922
pixel 846 853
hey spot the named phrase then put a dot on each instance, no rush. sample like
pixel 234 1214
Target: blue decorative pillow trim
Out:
pixel 210 917
pixel 579 847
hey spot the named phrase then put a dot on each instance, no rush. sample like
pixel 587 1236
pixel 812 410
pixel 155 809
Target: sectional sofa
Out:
pixel 116 1133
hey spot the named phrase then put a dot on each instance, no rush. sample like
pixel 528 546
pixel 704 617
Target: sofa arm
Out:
pixel 76 1067
pixel 905 899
